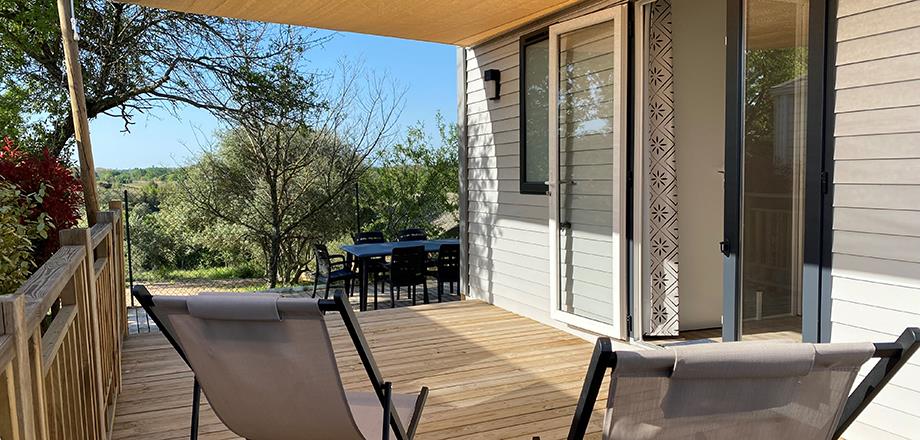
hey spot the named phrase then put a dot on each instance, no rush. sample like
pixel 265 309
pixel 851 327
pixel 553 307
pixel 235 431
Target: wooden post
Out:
pixel 12 308
pixel 78 111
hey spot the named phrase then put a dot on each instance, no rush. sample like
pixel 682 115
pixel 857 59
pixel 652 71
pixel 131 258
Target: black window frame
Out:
pixel 527 187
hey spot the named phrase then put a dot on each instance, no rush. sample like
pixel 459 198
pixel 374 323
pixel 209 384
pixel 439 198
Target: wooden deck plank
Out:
pixel 492 374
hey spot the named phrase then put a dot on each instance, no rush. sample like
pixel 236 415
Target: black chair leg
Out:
pixel 412 292
pixel 440 289
pixel 425 291
pixel 375 294
pixel 315 282
pixel 328 281
pixel 196 406
pixel 392 297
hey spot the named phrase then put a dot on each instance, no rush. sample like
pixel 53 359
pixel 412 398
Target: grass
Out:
pixel 207 273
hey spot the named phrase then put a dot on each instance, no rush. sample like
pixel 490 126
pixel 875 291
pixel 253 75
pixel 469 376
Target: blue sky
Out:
pixel 158 138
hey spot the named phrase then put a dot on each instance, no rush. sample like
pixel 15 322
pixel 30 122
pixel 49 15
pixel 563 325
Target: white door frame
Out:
pixel 618 17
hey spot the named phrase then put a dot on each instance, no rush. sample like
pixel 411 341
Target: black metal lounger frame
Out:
pixel 342 306
pixel 892 356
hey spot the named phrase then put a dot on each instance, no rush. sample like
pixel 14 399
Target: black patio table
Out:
pixel 363 252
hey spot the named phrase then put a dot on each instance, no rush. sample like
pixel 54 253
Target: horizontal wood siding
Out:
pixel 876 243
pixel 509 252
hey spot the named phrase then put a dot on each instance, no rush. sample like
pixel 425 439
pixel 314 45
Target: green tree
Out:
pixel 765 70
pixel 282 169
pixel 413 184
pixel 134 58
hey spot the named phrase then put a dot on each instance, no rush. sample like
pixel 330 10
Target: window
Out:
pixel 534 113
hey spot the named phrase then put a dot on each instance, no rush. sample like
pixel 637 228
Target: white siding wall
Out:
pixel 876 243
pixel 509 255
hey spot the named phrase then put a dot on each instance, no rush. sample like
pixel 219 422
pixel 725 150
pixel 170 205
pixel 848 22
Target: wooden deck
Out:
pixel 786 329
pixel 492 374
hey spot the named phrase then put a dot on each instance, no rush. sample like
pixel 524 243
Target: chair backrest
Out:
pixel 411 234
pixel 407 265
pixel 322 259
pixel 449 262
pixel 369 237
pixel 230 339
pixel 732 391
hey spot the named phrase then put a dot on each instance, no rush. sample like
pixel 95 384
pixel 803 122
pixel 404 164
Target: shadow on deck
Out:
pixel 492 374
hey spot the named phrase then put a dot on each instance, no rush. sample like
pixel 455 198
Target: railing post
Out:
pixel 81 237
pixel 12 309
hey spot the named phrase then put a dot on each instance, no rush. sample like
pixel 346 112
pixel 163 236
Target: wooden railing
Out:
pixel 60 338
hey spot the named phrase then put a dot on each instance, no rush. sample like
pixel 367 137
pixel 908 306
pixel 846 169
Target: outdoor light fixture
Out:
pixel 492 80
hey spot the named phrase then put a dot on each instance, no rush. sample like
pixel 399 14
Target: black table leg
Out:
pixel 363 293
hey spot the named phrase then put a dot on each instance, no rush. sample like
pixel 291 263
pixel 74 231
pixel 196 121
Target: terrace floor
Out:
pixel 492 374
pixel 785 328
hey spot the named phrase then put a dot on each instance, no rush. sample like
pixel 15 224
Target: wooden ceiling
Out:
pixel 773 24
pixel 459 22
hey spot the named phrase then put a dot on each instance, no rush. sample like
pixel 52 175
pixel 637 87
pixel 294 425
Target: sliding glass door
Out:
pixel 774 83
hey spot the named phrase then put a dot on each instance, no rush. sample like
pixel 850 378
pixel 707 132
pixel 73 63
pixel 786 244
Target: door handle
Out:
pixel 565 225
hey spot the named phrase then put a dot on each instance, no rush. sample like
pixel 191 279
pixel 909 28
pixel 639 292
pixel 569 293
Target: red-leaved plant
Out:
pixel 42 173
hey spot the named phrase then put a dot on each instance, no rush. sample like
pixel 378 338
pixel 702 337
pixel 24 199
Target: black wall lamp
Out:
pixel 492 81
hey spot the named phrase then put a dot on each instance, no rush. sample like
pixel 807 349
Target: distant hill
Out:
pixel 107 176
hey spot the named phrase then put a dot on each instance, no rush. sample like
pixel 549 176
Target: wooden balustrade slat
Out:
pixel 7 350
pixel 9 423
pixel 55 334
pixel 54 402
pixel 38 384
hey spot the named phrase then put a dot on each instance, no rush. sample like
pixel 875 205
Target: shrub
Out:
pixel 17 233
pixel 56 190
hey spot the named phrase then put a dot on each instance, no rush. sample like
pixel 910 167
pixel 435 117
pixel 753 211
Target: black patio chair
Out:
pixel 331 269
pixel 376 266
pixel 407 269
pixel 145 299
pixel 411 234
pixel 447 267
pixel 416 234
pixel 369 237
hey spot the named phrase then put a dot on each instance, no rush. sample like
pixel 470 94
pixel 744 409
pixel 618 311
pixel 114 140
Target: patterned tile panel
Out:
pixel 661 188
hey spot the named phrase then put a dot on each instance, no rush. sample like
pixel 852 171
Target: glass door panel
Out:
pixel 586 65
pixel 775 85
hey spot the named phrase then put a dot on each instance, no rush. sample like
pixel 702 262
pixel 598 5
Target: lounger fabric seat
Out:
pixel 268 368
pixel 732 391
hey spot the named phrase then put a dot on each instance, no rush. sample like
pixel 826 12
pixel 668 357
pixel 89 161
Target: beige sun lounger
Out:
pixel 739 390
pixel 268 369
